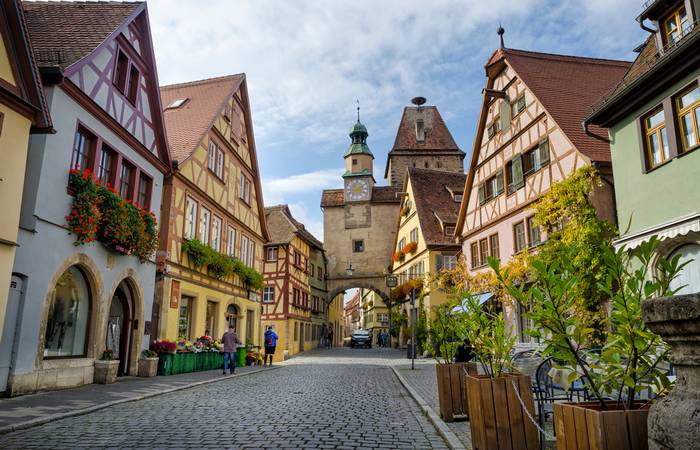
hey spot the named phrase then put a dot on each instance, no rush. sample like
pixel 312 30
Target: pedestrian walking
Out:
pixel 231 342
pixel 270 344
pixel 330 338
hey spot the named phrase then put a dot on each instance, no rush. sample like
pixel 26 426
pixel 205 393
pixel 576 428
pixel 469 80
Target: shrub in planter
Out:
pixel 198 253
pixel 631 356
pixel 106 368
pixel 148 364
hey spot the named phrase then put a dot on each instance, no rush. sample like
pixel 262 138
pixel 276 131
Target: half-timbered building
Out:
pixel 213 198
pixel 98 68
pixel 287 295
pixel 529 136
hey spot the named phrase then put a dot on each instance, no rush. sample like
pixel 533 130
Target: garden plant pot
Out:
pixel 497 418
pixel 585 426
pixel 148 367
pixel 106 371
pixel 165 364
pixel 452 390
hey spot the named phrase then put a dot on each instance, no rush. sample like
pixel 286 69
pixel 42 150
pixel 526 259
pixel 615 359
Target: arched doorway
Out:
pixel 232 317
pixel 688 280
pixel 119 324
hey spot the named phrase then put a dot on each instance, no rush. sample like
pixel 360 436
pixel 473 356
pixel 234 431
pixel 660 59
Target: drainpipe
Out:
pixel 584 125
pixel 644 27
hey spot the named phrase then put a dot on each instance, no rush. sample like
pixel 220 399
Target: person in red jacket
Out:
pixel 231 342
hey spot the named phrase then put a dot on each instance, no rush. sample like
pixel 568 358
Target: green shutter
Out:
pixel 499 182
pixel 544 152
pixel 517 168
pixel 504 115
pixel 482 193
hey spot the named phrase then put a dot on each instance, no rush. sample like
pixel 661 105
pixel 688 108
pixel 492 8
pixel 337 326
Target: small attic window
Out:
pixel 458 197
pixel 420 130
pixel 177 103
pixel 449 230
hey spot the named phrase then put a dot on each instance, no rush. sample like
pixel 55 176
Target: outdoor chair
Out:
pixel 546 393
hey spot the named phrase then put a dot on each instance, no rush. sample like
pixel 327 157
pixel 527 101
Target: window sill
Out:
pixel 219 178
pixel 242 200
pixel 658 166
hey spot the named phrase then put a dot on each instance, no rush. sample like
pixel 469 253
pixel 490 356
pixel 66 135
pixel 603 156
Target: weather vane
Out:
pixel 358 110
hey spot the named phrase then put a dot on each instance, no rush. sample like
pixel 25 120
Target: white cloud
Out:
pixel 280 190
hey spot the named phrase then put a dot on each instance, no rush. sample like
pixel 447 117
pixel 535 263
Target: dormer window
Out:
pixel 420 130
pixel 675 26
pixel 176 103
pixel 458 197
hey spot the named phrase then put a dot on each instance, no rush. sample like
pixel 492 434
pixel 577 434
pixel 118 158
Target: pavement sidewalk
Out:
pixel 34 409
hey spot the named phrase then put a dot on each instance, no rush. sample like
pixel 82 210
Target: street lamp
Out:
pixel 349 269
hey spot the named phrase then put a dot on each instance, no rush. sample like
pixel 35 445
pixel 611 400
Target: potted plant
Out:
pixel 148 363
pixel 411 247
pixel 630 357
pixel 451 376
pixel 500 402
pixel 106 368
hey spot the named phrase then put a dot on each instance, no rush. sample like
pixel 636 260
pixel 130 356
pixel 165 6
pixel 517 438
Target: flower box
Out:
pixel 584 426
pixel 106 371
pixel 148 367
pixel 452 389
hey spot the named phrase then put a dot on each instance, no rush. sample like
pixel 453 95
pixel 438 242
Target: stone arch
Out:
pixel 130 277
pixel 364 285
pixel 96 286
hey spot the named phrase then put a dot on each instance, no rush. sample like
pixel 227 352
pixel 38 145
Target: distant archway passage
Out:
pixel 375 283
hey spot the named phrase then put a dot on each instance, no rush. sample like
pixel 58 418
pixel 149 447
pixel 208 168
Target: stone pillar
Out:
pixel 673 419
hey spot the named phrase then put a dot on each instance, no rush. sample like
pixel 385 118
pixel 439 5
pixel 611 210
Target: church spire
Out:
pixel 358 137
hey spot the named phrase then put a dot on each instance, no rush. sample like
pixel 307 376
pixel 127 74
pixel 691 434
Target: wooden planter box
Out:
pixel 106 371
pixel 148 367
pixel 584 426
pixel 452 390
pixel 497 418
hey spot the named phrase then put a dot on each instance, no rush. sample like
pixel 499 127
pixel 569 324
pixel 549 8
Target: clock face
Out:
pixel 357 189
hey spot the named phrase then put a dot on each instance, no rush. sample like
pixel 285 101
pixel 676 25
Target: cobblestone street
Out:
pixel 343 398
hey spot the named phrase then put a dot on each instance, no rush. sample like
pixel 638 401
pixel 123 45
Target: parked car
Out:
pixel 361 338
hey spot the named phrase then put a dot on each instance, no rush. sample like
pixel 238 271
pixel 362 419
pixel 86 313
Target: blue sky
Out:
pixel 308 61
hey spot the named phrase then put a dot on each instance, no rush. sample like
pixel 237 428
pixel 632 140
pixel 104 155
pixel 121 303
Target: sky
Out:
pixel 308 62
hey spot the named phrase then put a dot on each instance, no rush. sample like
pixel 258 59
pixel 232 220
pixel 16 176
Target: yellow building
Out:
pixel 287 299
pixel 425 237
pixel 23 110
pixel 212 206
pixel 375 314
pixel 336 312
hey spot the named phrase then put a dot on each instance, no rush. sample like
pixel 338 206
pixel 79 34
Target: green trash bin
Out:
pixel 240 356
pixel 165 364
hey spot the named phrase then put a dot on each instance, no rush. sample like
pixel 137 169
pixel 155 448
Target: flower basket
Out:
pixel 106 371
pixel 584 426
pixel 148 367
pixel 411 247
pixel 452 390
pixel 397 256
pixel 498 420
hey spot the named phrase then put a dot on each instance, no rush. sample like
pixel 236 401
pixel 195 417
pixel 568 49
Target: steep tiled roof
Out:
pixel 64 32
pixel 437 136
pixel 187 124
pixel 380 194
pixel 568 87
pixel 282 227
pixel 434 202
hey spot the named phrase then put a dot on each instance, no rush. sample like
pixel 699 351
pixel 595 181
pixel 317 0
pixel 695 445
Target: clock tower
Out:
pixel 359 162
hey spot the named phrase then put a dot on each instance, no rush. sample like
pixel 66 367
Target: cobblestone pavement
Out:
pixel 342 404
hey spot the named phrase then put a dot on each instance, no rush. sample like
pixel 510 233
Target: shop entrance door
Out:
pixel 301 336
pixel 119 327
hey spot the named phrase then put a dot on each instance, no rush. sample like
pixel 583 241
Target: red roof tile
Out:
pixel 64 32
pixel 282 227
pixel 187 124
pixel 380 194
pixel 568 87
pixel 437 136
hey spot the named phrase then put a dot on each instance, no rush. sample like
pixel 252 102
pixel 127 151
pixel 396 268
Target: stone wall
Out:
pixel 398 164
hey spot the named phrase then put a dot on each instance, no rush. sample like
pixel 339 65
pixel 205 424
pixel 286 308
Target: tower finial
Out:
pixel 358 110
pixel 500 33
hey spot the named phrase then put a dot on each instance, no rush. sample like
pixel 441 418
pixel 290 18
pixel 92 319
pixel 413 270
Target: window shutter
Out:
pixel 544 152
pixel 505 115
pixel 439 263
pixel 517 168
pixel 482 193
pixel 499 182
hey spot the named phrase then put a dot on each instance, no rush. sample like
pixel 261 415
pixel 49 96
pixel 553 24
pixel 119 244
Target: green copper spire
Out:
pixel 358 135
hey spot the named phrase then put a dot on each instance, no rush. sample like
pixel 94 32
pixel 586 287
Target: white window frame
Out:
pixel 231 241
pixel 244 249
pixel 216 223
pixel 449 262
pixel 271 254
pixel 244 188
pixel 191 218
pixel 212 155
pixel 268 294
pixel 251 252
pixel 204 223
pixel 219 163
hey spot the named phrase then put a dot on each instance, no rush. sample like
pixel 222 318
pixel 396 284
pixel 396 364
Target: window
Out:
pixel 533 232
pixel 204 222
pixel 458 198
pixel 494 250
pixel 244 249
pixel 358 246
pixel 494 128
pixel 69 316
pixel 126 77
pixel 474 250
pixel 688 111
pixel 133 84
pixel 244 189
pixel 297 259
pixel 216 159
pixel 271 254
pixel 216 233
pixel 518 105
pixel 312 270
pixel 120 71
pixel 251 252
pixel 177 103
pixel 125 180
pixel 190 218
pixel 230 241
pixel 450 230
pixel 185 317
pixel 82 144
pixel 354 161
pixel 269 294
pixel 414 235
pixel 104 171
pixel 655 138
pixel 296 331
pixel 296 296
pixel 491 188
pixel 536 158
pixel 688 280
pixel 143 197
pixel 449 262
pixel 675 26
pixel 483 251
pixel 210 323
pixel 519 234
pixel 319 273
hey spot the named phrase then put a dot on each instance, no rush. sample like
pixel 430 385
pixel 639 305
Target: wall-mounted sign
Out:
pixel 175 294
pixel 392 281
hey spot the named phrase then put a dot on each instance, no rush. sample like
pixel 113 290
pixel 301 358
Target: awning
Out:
pixel 482 298
pixel 667 230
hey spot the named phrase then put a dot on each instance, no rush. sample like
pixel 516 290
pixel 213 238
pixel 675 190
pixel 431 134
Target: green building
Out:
pixel 652 118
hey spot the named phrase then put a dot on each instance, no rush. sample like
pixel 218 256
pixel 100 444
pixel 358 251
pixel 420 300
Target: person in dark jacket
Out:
pixel 231 343
pixel 270 341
